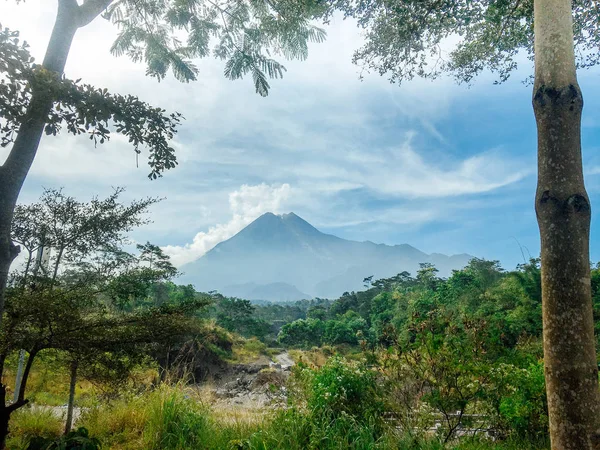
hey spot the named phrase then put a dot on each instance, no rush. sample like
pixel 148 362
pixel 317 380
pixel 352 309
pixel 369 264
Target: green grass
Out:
pixel 179 418
pixel 169 418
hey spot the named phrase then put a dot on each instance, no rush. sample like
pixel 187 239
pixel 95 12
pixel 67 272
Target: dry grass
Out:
pixel 315 357
pixel 246 351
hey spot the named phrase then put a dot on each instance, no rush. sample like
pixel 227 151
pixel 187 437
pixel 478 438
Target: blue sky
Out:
pixel 444 167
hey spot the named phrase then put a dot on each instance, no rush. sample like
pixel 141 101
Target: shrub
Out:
pixel 74 440
pixel 344 388
pixel 519 397
pixel 337 406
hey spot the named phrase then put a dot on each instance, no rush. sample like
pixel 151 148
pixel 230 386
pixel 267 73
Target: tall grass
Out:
pixel 175 418
pixel 169 418
pixel 29 422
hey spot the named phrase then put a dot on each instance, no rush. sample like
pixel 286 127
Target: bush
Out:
pixel 344 388
pixel 519 398
pixel 74 440
pixel 338 406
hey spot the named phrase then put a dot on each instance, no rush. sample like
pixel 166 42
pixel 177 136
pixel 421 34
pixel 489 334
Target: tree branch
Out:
pixel 90 10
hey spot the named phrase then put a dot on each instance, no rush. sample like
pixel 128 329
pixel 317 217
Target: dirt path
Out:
pixel 284 359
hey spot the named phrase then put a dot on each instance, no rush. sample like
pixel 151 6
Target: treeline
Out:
pixel 260 320
pixel 389 310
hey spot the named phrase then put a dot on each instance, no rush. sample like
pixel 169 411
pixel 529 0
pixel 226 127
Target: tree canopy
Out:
pixel 415 38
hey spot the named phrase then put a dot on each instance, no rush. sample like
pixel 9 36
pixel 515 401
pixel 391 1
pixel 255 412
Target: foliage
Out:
pixel 91 302
pixel 519 396
pixel 344 388
pixel 405 39
pixel 177 417
pixel 302 332
pixel 79 108
pixel 245 35
pixel 73 440
pixel 451 350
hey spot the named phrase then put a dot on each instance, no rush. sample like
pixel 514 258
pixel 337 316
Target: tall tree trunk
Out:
pixel 17 164
pixel 19 160
pixel 71 405
pixel 563 213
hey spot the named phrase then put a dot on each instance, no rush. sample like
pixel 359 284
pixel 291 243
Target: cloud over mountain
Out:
pixel 246 204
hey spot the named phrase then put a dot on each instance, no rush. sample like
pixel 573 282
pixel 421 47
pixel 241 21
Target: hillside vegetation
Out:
pixel 408 363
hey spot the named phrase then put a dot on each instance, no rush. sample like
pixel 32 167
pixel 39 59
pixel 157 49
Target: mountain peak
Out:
pixel 276 249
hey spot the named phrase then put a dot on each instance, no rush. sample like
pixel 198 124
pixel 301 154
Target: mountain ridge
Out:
pixel 287 251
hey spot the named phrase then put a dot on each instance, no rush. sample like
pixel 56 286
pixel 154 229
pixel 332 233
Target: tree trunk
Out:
pixel 70 406
pixel 56 264
pixel 5 412
pixel 32 354
pixel 19 376
pixel 563 213
pixel 17 165
pixel 19 160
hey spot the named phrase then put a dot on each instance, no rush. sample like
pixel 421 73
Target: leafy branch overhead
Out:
pixel 80 108
pixel 424 38
pixel 168 34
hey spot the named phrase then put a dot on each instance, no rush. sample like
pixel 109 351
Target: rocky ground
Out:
pixel 255 385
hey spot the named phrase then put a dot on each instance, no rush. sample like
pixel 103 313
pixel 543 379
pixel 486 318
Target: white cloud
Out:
pixel 593 171
pixel 246 204
pixel 406 173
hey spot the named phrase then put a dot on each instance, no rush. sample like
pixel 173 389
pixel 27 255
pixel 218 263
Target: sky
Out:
pixel 446 168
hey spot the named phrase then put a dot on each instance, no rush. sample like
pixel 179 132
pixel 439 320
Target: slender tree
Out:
pixel 76 107
pixel 407 38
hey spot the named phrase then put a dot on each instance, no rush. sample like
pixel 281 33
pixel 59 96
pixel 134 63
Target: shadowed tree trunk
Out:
pixel 5 413
pixel 563 213
pixel 32 354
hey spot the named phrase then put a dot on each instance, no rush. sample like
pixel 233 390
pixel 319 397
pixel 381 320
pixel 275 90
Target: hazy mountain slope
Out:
pixel 278 255
pixel 273 292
